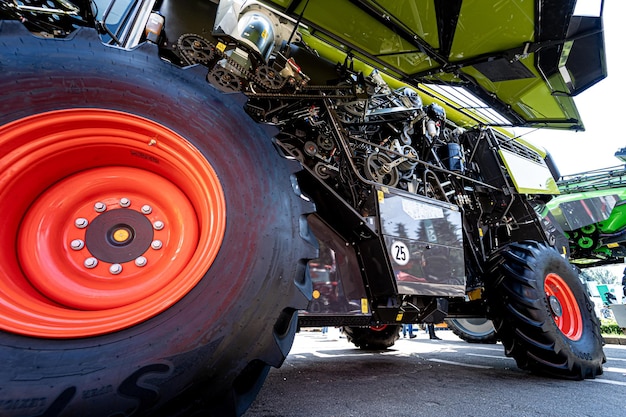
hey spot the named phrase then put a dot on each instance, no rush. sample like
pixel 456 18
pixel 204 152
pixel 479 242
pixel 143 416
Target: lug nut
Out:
pixel 158 225
pixel 99 207
pixel 77 244
pixel 90 263
pixel 156 244
pixel 81 222
pixel 115 269
pixel 124 202
pixel 141 261
pixel 146 209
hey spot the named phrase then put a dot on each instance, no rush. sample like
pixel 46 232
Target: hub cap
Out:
pixel 115 217
pixel 563 306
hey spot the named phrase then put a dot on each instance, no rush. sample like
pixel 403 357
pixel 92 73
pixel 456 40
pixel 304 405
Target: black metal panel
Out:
pixel 467 309
pixel 586 63
pixel 448 12
pixel 334 210
pixel 188 16
pixel 575 214
pixel 425 244
pixel 503 69
pixel 376 268
pixel 320 321
pixel 356 230
pixel 551 20
pixel 338 286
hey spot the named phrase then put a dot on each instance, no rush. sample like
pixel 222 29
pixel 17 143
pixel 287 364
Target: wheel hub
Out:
pixel 119 235
pixel 555 306
pixel 113 219
pixel 563 306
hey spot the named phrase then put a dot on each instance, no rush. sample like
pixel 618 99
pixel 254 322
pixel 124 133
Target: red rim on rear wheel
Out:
pixel 565 310
pixel 110 218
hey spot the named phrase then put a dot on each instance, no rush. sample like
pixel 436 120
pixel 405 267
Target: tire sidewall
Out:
pixel 549 261
pixel 473 333
pixel 369 338
pixel 523 319
pixel 227 320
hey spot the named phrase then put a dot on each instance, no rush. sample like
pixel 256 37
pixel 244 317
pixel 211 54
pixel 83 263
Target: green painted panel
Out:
pixel 584 195
pixel 485 26
pixel 282 3
pixel 617 221
pixel 363 31
pixel 418 16
pixel 356 27
pixel 336 53
pixel 532 98
pixel 485 29
pixel 529 177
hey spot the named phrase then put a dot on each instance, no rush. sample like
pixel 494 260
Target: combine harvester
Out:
pixel 188 182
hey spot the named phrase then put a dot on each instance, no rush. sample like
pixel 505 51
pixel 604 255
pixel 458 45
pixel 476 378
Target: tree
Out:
pixel 401 230
pixel 442 230
pixel 601 275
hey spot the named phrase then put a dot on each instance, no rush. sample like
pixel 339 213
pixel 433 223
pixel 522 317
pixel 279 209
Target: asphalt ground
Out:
pixel 326 376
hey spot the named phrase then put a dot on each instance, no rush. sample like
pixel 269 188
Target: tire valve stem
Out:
pixel 115 269
pixel 124 202
pixel 99 207
pixel 158 225
pixel 90 263
pixel 141 261
pixel 156 244
pixel 77 244
pixel 81 222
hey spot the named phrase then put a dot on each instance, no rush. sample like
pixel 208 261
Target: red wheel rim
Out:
pixel 116 218
pixel 565 309
pixel 379 328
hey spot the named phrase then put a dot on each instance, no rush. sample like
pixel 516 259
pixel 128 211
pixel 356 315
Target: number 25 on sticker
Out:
pixel 400 253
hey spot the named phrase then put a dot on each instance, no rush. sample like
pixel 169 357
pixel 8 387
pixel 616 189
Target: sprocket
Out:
pixel 195 49
pixel 224 80
pixel 268 78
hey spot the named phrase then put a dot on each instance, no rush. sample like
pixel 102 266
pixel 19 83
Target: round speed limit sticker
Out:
pixel 400 253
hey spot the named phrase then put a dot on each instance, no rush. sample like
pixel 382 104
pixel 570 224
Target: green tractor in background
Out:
pixel 591 212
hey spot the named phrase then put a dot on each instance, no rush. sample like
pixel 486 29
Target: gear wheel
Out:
pixel 195 49
pixel 224 80
pixel 268 78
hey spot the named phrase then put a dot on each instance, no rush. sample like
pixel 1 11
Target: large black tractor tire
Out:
pixel 374 337
pixel 474 330
pixel 543 314
pixel 216 299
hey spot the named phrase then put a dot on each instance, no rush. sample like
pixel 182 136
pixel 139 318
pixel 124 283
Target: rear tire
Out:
pixel 373 337
pixel 474 330
pixel 543 314
pixel 205 342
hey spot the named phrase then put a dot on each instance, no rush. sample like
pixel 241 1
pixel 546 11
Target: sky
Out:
pixel 602 107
